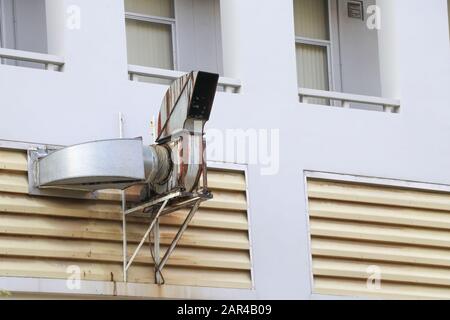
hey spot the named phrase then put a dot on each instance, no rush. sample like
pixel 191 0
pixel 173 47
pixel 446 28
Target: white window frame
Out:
pixel 159 20
pixel 322 44
pixel 2 22
pixel 330 46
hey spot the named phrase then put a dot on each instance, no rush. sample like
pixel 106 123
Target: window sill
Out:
pixel 227 84
pixel 388 105
pixel 51 62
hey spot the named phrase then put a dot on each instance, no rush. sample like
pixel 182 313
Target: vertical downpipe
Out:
pixel 124 221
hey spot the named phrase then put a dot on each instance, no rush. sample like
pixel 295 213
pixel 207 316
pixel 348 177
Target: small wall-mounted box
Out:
pixel 355 9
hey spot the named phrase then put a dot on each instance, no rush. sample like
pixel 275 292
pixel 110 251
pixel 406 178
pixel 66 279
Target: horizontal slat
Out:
pixel 222 199
pixel 14 182
pixel 94 209
pixel 13 160
pixel 381 233
pixel 358 288
pixel 208 218
pixel 102 251
pixel 18 267
pixel 322 189
pixel 346 249
pixel 17 182
pixel 379 214
pixel 227 200
pixel 56 206
pixel 389 272
pixel 95 230
pixel 225 180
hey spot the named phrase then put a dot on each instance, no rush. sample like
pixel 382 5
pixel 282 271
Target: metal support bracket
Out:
pixel 159 266
pixel 190 200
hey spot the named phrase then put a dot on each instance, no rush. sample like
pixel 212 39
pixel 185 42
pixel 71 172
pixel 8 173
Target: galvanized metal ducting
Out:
pixel 175 162
pixel 107 164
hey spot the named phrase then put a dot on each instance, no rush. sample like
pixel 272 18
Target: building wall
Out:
pixel 358 53
pixel 82 102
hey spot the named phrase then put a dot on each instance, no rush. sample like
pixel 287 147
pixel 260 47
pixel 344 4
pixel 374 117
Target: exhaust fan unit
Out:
pixel 167 173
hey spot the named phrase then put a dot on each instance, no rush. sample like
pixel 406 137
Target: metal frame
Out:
pixel 189 200
pixel 193 202
pixel 327 44
pixel 332 48
pixel 323 44
pixel 1 27
pixel 159 20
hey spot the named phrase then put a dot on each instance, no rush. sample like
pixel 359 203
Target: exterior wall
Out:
pixel 199 35
pixel 82 102
pixel 23 27
pixel 358 53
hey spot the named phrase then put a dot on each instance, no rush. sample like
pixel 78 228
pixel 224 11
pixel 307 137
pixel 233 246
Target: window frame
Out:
pixel 329 45
pixel 1 24
pixel 158 20
pixel 322 44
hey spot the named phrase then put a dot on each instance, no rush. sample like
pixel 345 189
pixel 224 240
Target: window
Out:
pixel 313 45
pixel 23 27
pixel 150 26
pixel 174 34
pixel 336 51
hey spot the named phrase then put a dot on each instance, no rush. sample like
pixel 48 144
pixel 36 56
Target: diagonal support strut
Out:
pixel 159 266
pixel 152 224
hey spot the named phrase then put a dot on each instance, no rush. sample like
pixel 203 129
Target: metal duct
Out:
pixel 93 165
pixel 175 163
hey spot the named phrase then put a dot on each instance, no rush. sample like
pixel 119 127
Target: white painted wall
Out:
pixel 23 27
pixel 198 33
pixel 82 102
pixel 359 56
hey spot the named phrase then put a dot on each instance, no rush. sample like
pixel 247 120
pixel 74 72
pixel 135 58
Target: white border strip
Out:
pixel 108 289
pixel 388 182
pixel 18 145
